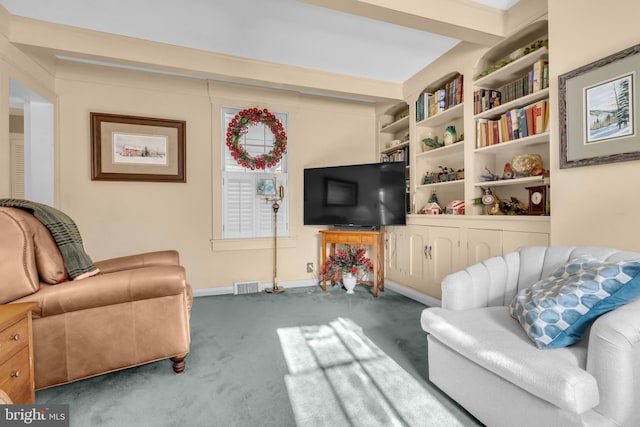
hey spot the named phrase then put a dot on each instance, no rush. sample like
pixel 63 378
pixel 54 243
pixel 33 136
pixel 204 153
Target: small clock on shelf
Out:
pixel 488 200
pixel 537 200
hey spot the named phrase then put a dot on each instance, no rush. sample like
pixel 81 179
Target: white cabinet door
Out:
pixel 443 257
pixel 418 262
pixel 515 240
pixel 392 259
pixel 483 244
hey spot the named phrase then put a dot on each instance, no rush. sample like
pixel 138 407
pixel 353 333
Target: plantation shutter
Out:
pixel 245 214
pixel 17 166
pixel 238 201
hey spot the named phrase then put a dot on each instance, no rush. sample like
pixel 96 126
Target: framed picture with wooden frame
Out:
pixel 599 115
pixel 131 148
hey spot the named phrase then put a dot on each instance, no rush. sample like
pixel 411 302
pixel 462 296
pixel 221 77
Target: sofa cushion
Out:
pixel 48 258
pixel 557 311
pixel 491 338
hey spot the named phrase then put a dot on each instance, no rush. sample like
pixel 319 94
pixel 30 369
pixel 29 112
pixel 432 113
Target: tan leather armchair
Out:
pixel 134 311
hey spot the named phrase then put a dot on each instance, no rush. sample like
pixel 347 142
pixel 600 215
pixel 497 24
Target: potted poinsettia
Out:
pixel 346 266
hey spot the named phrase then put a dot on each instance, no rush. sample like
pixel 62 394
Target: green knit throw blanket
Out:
pixel 65 233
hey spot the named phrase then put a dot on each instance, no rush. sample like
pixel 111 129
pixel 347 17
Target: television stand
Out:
pixel 373 238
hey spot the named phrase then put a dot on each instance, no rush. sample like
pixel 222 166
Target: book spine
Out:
pixel 522 117
pixel 509 122
pixel 538 67
pixel 495 128
pixel 480 124
pixel 515 123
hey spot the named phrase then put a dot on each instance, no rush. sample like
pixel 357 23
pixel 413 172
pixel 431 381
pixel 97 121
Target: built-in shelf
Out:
pixel 443 117
pixel 443 151
pixel 457 182
pixel 395 148
pixel 516 103
pixel 508 182
pixel 511 71
pixel 515 144
pixel 394 127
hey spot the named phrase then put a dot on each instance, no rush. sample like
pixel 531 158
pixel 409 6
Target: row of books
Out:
pixel 536 79
pixel 429 104
pixel 532 119
pixel 400 155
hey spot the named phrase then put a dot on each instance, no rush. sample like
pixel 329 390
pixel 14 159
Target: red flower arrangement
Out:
pixel 352 260
pixel 239 126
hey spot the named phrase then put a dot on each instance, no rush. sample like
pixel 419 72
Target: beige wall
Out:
pixel 594 204
pixel 118 218
pixel 591 205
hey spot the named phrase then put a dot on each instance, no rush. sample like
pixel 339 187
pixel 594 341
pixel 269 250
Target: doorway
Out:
pixel 32 144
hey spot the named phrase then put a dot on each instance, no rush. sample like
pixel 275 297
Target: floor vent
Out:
pixel 249 287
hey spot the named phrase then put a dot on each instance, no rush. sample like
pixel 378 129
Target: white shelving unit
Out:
pixel 394 142
pixel 495 157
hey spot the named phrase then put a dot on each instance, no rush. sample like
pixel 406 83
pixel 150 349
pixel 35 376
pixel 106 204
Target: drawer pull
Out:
pixel 15 374
pixel 15 337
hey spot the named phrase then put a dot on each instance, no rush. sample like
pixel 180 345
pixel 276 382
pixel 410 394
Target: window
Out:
pixel 245 213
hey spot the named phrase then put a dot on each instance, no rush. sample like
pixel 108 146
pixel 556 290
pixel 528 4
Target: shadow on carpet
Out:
pixel 339 377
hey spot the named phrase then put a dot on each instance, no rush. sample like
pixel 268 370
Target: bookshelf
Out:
pixel 432 120
pixel 445 243
pixel 518 124
pixel 394 138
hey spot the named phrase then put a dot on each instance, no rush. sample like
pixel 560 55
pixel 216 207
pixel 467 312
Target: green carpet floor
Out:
pixel 235 370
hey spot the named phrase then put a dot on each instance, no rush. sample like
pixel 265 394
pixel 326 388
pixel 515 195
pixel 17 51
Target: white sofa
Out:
pixel 481 357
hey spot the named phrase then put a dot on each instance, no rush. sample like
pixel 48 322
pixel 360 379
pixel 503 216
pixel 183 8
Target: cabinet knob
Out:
pixel 15 337
pixel 15 374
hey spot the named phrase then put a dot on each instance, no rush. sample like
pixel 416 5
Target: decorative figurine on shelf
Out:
pixel 508 171
pixel 455 207
pixel 431 143
pixel 512 206
pixel 450 135
pixel 489 176
pixel 434 198
pixel 527 165
pixel 433 205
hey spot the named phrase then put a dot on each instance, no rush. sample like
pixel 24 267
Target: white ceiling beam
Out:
pixel 459 19
pixel 74 42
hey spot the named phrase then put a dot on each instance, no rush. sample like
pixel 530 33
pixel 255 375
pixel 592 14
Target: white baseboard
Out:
pixel 225 290
pixel 413 294
pixel 396 287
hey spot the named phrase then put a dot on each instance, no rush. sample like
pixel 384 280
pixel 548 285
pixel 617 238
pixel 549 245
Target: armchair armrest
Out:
pixel 110 289
pixel 169 257
pixel 613 358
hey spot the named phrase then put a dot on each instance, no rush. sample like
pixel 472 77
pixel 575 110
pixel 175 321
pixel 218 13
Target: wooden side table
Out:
pixel 375 239
pixel 16 352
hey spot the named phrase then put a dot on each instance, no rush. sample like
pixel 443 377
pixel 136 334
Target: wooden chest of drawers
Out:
pixel 16 352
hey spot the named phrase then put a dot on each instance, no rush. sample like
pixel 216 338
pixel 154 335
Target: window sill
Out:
pixel 219 245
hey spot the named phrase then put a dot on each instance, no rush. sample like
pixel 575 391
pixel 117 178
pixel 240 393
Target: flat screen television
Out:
pixel 356 196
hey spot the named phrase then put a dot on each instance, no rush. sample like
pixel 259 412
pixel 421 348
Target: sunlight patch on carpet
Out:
pixel 339 377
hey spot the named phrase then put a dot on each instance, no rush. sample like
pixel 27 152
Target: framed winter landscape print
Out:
pixel 599 111
pixel 129 148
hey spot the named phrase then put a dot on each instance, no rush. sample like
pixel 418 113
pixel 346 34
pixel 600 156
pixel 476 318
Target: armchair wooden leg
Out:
pixel 179 364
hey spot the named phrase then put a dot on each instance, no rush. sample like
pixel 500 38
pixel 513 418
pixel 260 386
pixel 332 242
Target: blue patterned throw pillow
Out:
pixel 557 311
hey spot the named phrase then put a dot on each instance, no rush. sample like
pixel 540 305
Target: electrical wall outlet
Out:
pixel 309 267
